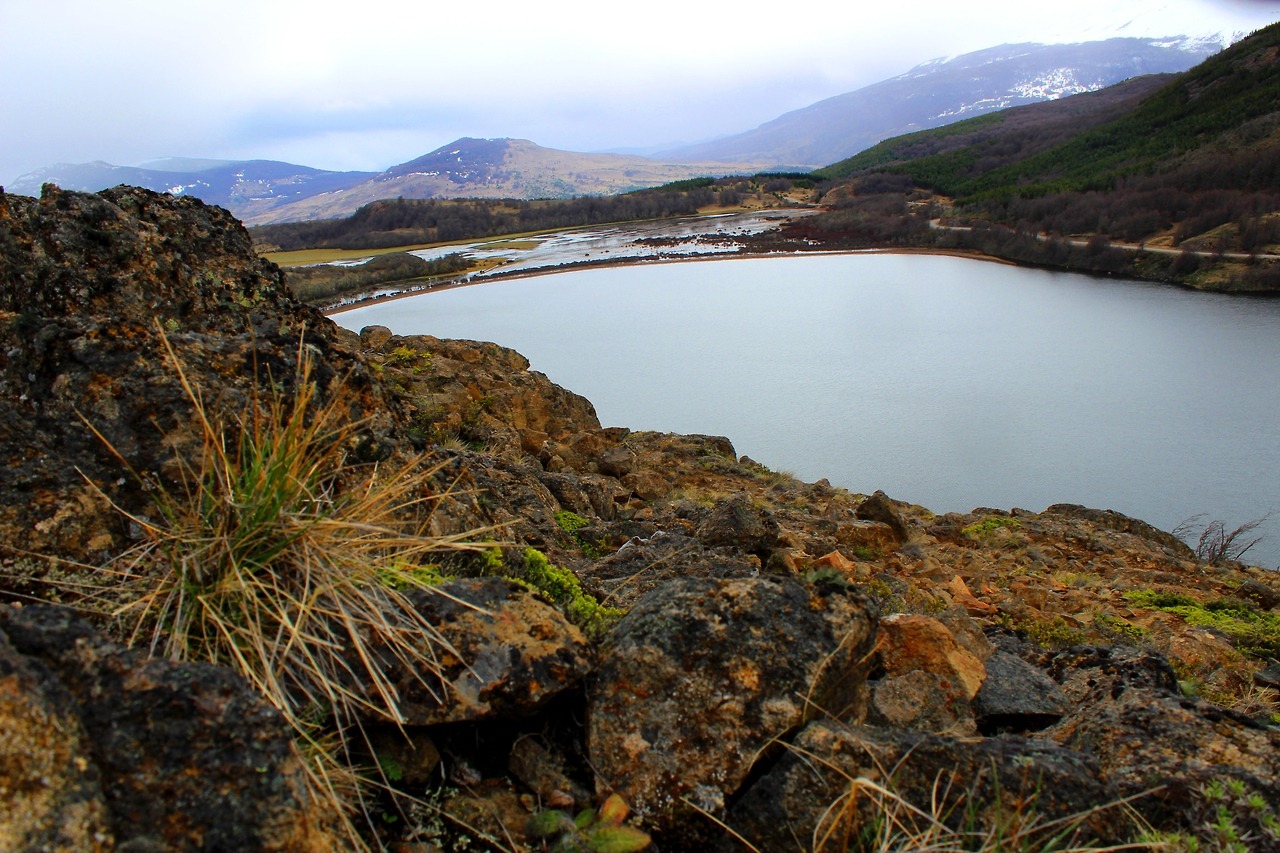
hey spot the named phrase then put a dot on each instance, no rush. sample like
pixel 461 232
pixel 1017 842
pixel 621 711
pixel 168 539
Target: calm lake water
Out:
pixel 948 382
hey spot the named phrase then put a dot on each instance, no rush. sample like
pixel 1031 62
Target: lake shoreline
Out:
pixel 368 299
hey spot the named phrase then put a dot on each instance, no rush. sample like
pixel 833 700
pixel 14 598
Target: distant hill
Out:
pixel 498 168
pixel 242 186
pixel 1186 167
pixel 262 192
pixel 942 92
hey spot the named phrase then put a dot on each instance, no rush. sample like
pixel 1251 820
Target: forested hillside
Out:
pixel 1193 164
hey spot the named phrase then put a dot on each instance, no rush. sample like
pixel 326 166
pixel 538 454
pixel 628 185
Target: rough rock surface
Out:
pixel 176 756
pixel 511 653
pixel 702 675
pixel 1017 697
pixel 909 642
pixel 1130 716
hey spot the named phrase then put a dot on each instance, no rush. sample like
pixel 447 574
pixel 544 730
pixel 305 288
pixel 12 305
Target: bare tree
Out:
pixel 1216 544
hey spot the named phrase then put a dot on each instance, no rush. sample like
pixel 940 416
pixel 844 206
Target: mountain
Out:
pixel 241 186
pixel 498 168
pixel 262 192
pixel 941 92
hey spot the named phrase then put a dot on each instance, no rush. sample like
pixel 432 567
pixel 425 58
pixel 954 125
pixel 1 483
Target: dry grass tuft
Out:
pixel 274 556
pixel 870 817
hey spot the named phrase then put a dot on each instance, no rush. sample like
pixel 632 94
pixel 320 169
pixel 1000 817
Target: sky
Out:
pixel 367 85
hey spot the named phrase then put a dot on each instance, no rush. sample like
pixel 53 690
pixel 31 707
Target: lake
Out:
pixel 948 382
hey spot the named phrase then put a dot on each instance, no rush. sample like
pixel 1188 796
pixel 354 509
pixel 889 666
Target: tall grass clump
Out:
pixel 1009 824
pixel 269 552
pixel 870 816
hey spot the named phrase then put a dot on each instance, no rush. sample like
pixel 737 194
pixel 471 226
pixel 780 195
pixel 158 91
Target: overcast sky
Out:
pixel 366 85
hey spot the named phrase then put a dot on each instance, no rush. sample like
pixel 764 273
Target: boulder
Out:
pixel 871 538
pixel 504 653
pixel 702 676
pixel 1017 697
pixel 617 461
pixel 736 523
pixel 163 755
pixel 879 507
pixel 1147 738
pixel 910 641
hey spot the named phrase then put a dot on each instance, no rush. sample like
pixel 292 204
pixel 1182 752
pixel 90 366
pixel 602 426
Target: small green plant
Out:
pixel 591 831
pixel 1227 817
pixel 982 531
pixel 405 356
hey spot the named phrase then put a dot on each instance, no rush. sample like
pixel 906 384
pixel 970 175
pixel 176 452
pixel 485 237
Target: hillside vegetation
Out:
pixel 1192 164
pixel 403 222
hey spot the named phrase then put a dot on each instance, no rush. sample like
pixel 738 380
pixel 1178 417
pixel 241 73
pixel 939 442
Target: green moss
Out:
pixel 404 576
pixel 570 521
pixel 1254 633
pixel 1118 629
pixel 492 562
pixel 1053 633
pixel 561 586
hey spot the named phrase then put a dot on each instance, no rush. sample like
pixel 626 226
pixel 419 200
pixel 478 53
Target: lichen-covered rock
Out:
pixel 921 701
pixel 486 393
pixel 186 756
pixel 641 565
pixel 910 641
pixel 510 654
pixel 735 523
pixel 702 675
pixel 50 792
pixel 1146 737
pixel 89 286
pixel 824 786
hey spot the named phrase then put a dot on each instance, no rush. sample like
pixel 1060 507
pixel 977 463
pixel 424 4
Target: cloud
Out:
pixel 383 81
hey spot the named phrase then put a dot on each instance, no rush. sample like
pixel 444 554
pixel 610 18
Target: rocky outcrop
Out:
pixel 731 663
pixel 835 783
pixel 1129 714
